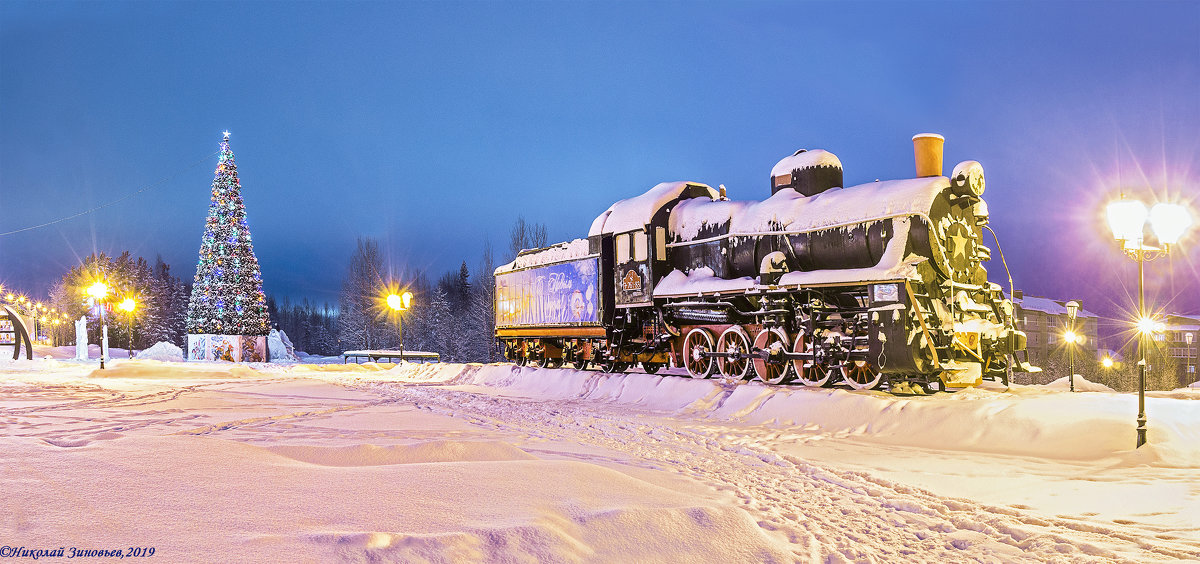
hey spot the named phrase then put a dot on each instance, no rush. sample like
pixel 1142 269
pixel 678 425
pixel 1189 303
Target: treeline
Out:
pixel 452 315
pixel 161 298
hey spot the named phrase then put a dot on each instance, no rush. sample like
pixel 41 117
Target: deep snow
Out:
pixel 445 462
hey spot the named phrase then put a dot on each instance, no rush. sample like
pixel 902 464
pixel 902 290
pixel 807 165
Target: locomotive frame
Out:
pixel 875 285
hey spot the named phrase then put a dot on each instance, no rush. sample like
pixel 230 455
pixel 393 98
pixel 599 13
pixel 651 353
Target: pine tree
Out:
pixel 227 296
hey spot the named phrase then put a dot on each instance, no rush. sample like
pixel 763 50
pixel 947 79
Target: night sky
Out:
pixel 432 125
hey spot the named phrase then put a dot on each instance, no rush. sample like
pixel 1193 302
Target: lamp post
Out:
pixel 400 303
pixel 97 292
pixel 1128 220
pixel 128 305
pixel 1071 338
pixel 1187 355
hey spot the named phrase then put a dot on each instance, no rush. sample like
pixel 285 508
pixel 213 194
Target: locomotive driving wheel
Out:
pixel 860 375
pixel 775 369
pixel 734 342
pixel 809 370
pixel 698 342
pixel 651 367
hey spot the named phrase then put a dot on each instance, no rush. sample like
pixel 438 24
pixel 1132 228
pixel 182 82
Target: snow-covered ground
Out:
pixel 323 461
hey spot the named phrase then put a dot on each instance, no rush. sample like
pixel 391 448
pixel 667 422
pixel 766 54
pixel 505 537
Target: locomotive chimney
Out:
pixel 927 148
pixel 807 172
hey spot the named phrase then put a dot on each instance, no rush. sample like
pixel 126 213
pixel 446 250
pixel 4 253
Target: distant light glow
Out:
pixel 128 304
pixel 1107 362
pixel 1071 337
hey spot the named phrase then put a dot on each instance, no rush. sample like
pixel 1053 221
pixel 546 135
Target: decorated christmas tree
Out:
pixel 227 313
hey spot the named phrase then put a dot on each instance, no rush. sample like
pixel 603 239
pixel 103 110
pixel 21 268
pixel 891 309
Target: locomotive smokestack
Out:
pixel 927 148
pixel 807 172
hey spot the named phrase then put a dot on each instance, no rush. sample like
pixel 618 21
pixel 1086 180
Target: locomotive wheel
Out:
pixel 698 341
pixel 735 341
pixel 860 375
pixel 520 358
pixel 813 374
pixel 580 363
pixel 651 367
pixel 612 366
pixel 775 370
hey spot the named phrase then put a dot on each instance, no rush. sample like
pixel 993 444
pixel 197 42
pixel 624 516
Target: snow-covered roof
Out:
pixel 805 159
pixel 558 252
pixel 635 213
pixel 791 211
pixel 1047 305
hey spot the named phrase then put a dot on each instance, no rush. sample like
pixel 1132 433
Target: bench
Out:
pixel 391 356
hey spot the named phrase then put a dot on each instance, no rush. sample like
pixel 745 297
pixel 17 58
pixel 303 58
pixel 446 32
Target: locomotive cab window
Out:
pixel 660 243
pixel 622 248
pixel 640 245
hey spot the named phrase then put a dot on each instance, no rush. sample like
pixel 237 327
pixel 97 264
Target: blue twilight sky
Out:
pixel 433 125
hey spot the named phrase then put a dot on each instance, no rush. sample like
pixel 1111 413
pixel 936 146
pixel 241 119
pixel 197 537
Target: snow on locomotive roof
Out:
pixel 559 252
pixel 788 210
pixel 635 213
pixel 803 159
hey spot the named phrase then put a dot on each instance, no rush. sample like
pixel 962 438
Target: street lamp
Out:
pixel 97 292
pixel 1187 338
pixel 400 303
pixel 1128 219
pixel 1071 337
pixel 128 305
pixel 1107 362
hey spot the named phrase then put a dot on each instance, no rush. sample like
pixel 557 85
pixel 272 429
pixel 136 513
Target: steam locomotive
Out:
pixel 880 284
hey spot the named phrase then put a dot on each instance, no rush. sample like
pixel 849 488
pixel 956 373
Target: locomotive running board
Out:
pixel 552 332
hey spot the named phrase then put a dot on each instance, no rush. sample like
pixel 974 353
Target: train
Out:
pixel 878 285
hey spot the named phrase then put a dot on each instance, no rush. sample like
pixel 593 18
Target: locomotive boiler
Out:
pixel 879 284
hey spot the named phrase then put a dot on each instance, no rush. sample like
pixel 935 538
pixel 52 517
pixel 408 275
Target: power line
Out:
pixel 116 201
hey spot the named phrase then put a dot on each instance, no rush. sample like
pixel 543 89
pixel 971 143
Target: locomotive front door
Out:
pixel 632 269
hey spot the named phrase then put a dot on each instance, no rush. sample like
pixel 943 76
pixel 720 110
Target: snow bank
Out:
pixel 1035 421
pixel 1081 385
pixel 162 351
pixel 169 370
pixel 434 451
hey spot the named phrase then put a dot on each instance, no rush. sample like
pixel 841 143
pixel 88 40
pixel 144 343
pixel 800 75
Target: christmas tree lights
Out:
pixel 227 296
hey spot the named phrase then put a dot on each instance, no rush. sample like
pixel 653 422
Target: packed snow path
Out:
pixel 495 463
pixel 826 514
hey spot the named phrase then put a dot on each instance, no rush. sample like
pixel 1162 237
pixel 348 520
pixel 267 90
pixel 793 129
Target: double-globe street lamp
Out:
pixel 400 303
pixel 1128 220
pixel 97 292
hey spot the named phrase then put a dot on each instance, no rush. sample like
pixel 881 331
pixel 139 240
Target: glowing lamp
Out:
pixel 1126 218
pixel 1071 337
pixel 1107 362
pixel 128 304
pixel 1169 222
pixel 97 291
pixel 1146 325
pixel 399 302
